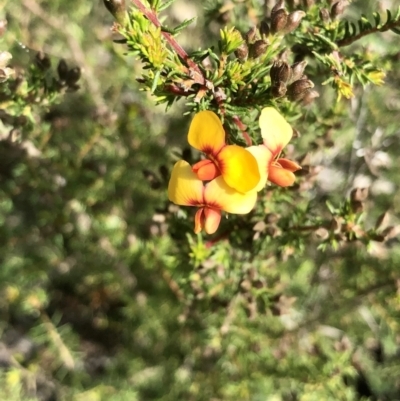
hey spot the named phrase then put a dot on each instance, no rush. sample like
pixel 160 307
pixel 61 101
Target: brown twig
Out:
pixel 242 127
pixel 383 28
pixel 177 91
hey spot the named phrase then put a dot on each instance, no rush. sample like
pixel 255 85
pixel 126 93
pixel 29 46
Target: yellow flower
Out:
pixel 236 165
pixel 276 133
pixel 186 189
pixel 345 89
pixel 377 77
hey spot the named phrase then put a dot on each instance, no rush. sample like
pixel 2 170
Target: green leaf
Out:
pixel 183 25
pixel 377 18
pixel 331 208
pixel 397 14
pixel 155 81
pixel 165 5
pixel 327 41
pixel 389 16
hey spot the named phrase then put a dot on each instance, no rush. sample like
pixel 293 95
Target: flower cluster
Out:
pixel 230 176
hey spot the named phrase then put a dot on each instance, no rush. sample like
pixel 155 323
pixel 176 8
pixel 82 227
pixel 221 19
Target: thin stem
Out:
pixel 383 28
pixel 195 73
pixel 242 128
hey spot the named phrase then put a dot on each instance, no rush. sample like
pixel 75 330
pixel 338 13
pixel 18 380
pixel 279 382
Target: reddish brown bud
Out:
pixel 278 6
pixel 324 15
pixel 62 70
pixel 250 35
pixel 42 61
pixel 278 90
pixel 280 72
pixel 264 29
pixel 242 52
pixel 258 48
pixel 298 70
pixel 278 21
pixel 117 8
pixel 309 96
pixel 297 90
pixel 338 8
pixel 73 76
pixel 293 20
pixel 308 3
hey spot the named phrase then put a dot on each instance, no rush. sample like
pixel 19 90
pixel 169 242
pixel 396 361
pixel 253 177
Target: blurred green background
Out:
pixel 105 293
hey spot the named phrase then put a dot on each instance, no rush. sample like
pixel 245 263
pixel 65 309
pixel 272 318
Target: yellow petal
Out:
pixel 275 130
pixel 206 133
pixel 184 188
pixel 218 195
pixel 239 168
pixel 264 158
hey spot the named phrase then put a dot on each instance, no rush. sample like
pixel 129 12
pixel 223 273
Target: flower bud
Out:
pixel 338 8
pixel 242 52
pixel 264 29
pixel 62 70
pixel 42 61
pixel 250 35
pixel 73 76
pixel 117 8
pixel 298 70
pixel 278 21
pixel 278 6
pixel 324 15
pixel 308 3
pixel 283 55
pixel 278 90
pixel 297 90
pixel 280 72
pixel 309 96
pixel 293 20
pixel 258 48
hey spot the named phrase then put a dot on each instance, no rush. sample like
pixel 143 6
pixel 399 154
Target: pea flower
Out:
pixel 186 189
pixel 237 166
pixel 276 133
